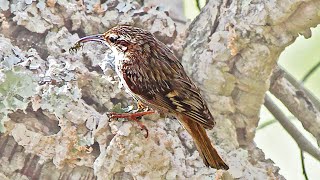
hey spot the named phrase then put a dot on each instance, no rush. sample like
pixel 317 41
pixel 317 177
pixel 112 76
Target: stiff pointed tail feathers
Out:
pixel 206 150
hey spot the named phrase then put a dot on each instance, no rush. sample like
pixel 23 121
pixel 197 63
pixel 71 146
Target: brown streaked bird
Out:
pixel 153 75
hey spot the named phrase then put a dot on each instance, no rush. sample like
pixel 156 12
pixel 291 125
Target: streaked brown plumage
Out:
pixel 151 73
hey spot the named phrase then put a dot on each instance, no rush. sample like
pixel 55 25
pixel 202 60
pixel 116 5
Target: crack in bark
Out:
pixel 216 20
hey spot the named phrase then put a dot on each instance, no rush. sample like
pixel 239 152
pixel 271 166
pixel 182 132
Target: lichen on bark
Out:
pixel 53 103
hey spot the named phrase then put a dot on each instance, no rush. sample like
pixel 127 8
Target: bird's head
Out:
pixel 120 39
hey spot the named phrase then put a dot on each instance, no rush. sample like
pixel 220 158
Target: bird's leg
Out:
pixel 133 116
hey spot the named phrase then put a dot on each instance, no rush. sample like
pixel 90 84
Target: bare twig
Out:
pixel 295 97
pixel 302 142
pixel 198 4
pixel 304 172
pixel 271 121
pixel 311 71
pixel 267 123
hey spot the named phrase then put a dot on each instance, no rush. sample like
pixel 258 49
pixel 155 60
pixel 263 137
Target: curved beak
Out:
pixel 98 38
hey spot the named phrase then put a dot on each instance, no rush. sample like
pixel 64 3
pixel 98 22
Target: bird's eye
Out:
pixel 113 39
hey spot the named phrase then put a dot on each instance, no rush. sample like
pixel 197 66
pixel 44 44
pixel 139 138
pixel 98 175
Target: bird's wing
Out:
pixel 162 81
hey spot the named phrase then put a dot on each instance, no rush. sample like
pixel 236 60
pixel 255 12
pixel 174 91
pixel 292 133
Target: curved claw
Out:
pixel 143 127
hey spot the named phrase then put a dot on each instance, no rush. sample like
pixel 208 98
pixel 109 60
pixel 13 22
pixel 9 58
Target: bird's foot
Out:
pixel 133 117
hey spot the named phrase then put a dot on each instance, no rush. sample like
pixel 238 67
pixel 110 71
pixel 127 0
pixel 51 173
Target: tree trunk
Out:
pixel 53 104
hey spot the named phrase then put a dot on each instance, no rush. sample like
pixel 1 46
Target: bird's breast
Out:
pixel 118 67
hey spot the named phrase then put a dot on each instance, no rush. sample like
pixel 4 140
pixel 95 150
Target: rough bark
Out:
pixel 53 104
pixel 301 103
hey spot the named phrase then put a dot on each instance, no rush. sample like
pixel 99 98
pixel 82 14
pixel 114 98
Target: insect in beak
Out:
pixel 80 42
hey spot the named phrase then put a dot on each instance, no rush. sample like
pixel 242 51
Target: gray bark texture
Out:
pixel 53 104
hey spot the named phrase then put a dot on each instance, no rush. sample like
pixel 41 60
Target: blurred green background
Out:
pixel 276 143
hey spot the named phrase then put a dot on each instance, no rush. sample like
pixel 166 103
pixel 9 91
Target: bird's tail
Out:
pixel 206 150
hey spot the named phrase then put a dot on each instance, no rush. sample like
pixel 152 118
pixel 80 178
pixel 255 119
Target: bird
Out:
pixel 153 75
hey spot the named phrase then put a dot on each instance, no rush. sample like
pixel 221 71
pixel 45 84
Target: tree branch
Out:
pixel 302 142
pixel 298 85
pixel 299 101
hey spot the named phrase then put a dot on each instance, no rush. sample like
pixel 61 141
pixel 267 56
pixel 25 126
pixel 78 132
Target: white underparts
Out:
pixel 119 58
